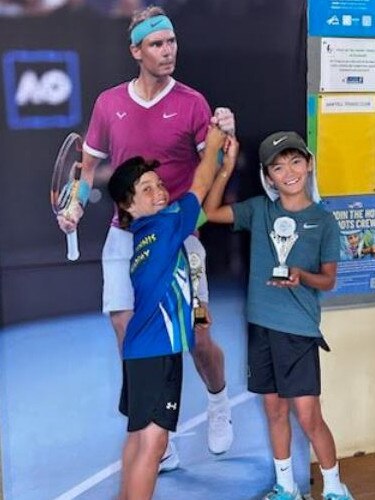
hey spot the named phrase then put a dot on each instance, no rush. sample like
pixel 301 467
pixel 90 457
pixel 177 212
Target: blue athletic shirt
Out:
pixel 162 323
pixel 289 310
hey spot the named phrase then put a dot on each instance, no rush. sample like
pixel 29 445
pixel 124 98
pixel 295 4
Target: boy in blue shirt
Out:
pixel 161 327
pixel 294 251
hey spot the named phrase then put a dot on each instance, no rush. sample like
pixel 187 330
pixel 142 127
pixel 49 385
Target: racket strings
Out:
pixel 65 197
pixel 69 192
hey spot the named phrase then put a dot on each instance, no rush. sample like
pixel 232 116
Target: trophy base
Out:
pixel 200 316
pixel 280 273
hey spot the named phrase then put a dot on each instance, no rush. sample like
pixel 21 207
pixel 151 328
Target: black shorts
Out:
pixel 151 391
pixel 283 363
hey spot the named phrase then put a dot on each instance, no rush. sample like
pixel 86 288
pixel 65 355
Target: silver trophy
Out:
pixel 283 238
pixel 196 272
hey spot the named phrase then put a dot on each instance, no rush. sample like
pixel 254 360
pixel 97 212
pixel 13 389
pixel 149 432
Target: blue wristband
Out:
pixel 83 192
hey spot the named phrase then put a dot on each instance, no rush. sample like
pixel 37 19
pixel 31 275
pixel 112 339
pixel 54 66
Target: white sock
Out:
pixel 217 399
pixel 284 474
pixel 331 481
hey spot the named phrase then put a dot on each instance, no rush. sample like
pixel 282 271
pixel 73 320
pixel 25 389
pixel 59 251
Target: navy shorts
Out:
pixel 151 391
pixel 283 363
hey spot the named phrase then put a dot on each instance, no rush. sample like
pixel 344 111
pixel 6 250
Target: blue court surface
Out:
pixel 62 435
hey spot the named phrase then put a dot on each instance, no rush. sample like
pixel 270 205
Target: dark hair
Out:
pixel 287 152
pixel 121 185
pixel 141 15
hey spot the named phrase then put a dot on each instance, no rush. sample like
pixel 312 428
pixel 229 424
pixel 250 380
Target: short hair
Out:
pixel 121 185
pixel 141 15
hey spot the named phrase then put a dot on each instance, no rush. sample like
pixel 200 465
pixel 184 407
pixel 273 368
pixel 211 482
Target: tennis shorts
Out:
pixel 283 363
pixel 151 391
pixel 118 294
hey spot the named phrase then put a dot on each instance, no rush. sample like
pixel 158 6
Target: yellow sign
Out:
pixel 346 144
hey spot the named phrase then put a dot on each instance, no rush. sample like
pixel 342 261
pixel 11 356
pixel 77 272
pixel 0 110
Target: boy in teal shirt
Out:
pixel 294 251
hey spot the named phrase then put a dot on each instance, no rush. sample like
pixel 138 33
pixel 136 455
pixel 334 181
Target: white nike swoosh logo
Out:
pixel 309 226
pixel 121 115
pixel 166 115
pixel 277 141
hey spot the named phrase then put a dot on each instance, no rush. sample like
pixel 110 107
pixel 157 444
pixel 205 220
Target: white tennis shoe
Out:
pixel 220 430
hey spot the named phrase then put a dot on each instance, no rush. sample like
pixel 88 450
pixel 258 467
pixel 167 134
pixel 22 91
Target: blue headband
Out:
pixel 149 25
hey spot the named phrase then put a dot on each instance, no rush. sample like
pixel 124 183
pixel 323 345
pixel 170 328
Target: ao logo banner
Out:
pixel 42 89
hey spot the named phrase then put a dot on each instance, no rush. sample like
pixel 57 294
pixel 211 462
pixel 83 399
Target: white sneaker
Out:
pixel 345 496
pixel 170 460
pixel 220 430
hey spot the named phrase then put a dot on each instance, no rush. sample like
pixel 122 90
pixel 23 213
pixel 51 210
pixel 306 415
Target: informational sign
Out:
pixel 355 216
pixel 346 144
pixel 359 103
pixel 342 18
pixel 347 65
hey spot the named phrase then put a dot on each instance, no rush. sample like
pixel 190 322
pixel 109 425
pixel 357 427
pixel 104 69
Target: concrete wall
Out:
pixel 348 378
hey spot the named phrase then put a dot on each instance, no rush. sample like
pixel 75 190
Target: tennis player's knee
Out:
pixel 153 441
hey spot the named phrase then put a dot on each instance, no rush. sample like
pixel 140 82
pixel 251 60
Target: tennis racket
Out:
pixel 65 185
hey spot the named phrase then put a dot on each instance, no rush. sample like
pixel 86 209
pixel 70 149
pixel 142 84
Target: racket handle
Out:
pixel 72 246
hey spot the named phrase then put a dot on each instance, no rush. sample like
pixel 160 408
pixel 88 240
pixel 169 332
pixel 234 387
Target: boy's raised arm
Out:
pixel 205 172
pixel 213 208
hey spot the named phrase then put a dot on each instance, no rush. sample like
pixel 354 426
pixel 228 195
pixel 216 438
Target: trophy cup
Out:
pixel 196 271
pixel 283 238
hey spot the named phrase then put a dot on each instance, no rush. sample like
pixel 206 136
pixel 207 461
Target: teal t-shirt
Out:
pixel 290 310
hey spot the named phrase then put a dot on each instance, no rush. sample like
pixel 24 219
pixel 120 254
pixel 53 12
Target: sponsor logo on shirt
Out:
pixel 306 225
pixel 171 406
pixel 121 115
pixel 169 115
pixel 147 240
pixel 42 89
pixel 139 259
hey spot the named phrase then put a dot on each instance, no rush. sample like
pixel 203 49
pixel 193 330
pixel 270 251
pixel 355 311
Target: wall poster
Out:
pixel 356 218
